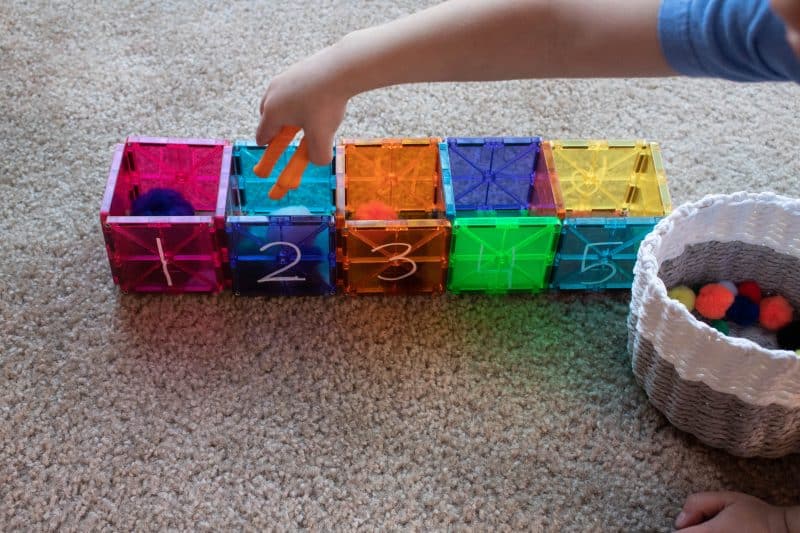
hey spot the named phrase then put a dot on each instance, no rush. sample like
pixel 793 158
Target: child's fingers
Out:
pixel 275 148
pixel 706 527
pixel 261 104
pixel 267 130
pixel 320 147
pixel 701 506
pixel 292 174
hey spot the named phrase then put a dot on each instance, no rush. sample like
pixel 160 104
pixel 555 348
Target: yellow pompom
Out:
pixel 684 295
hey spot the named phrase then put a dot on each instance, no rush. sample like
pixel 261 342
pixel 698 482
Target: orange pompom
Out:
pixel 713 301
pixel 375 210
pixel 776 312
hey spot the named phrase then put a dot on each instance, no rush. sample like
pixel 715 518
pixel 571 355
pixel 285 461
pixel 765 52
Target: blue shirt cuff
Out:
pixel 740 40
pixel 675 37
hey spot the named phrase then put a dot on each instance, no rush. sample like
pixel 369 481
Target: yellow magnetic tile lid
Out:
pixel 603 177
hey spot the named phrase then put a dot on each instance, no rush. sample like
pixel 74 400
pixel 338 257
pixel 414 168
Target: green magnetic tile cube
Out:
pixel 502 254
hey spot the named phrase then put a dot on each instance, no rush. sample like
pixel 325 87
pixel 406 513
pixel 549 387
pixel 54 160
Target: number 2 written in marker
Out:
pixel 274 276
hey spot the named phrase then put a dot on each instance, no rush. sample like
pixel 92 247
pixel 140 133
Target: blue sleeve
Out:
pixel 740 40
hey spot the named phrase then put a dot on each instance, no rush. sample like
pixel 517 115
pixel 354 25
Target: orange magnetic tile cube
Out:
pixel 400 257
pixel 404 174
pixel 405 251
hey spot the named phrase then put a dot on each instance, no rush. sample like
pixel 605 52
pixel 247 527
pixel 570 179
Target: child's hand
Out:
pixel 789 11
pixel 309 95
pixel 707 512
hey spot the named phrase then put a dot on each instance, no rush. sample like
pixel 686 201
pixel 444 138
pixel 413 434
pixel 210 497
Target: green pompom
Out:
pixel 721 326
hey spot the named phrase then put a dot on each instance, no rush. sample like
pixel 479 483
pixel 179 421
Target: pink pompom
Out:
pixel 375 210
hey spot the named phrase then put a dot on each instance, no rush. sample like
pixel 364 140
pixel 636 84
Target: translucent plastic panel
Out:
pixel 315 192
pixel 288 256
pixel 404 174
pixel 178 257
pixel 492 173
pixel 599 253
pixel 190 166
pixel 499 255
pixel 602 178
pixel 407 257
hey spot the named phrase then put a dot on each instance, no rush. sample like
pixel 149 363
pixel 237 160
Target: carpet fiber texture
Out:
pixel 217 412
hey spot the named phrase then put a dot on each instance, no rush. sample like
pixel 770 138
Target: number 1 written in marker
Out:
pixel 163 261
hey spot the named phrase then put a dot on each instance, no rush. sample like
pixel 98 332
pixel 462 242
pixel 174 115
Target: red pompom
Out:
pixel 713 301
pixel 776 312
pixel 750 289
pixel 375 210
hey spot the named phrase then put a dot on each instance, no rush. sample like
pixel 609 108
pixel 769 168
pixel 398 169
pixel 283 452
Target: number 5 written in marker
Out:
pixel 587 266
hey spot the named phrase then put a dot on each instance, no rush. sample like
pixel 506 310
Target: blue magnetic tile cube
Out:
pixel 492 173
pixel 316 191
pixel 599 253
pixel 285 247
pixel 288 256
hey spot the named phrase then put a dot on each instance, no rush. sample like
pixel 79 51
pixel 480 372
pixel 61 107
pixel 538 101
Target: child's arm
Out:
pixel 478 40
pixel 464 40
pixel 706 512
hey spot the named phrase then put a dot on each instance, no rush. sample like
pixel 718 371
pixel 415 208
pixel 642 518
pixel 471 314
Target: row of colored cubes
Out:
pixel 386 216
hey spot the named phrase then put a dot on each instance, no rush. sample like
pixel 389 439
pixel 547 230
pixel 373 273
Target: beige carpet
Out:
pixel 218 412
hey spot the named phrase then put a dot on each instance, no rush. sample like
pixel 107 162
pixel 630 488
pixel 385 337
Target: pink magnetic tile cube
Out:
pixel 174 254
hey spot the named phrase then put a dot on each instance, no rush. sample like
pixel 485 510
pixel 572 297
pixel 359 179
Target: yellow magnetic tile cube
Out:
pixel 598 177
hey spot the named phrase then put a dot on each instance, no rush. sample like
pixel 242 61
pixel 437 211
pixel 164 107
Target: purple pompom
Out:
pixel 162 202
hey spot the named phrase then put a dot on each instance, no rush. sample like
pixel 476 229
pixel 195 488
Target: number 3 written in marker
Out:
pixel 400 257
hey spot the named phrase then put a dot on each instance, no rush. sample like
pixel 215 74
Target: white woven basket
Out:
pixel 728 391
